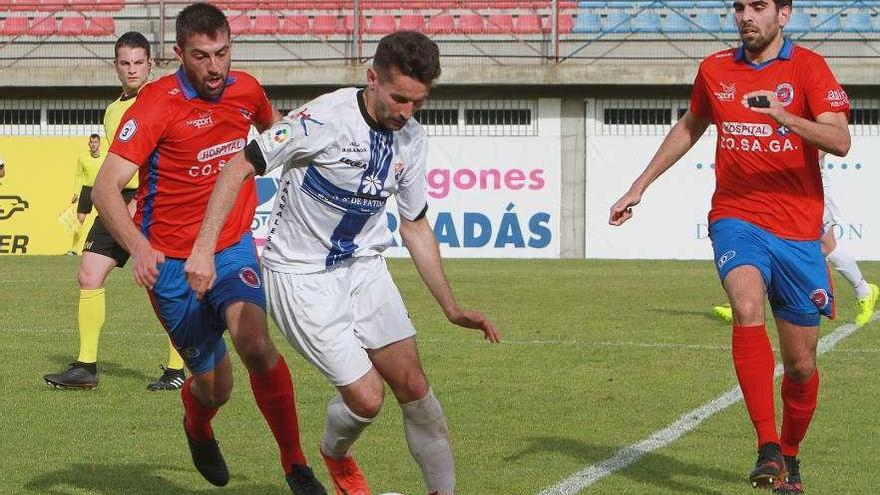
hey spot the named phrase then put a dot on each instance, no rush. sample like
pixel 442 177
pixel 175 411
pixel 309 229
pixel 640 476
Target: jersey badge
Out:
pixel 249 276
pixel 128 130
pixel 785 94
pixel 305 116
pixel 727 93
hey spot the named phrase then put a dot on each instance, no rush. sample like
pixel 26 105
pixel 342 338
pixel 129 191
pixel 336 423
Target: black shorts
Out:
pixel 99 240
pixel 84 205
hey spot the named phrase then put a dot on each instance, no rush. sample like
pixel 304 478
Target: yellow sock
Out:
pixel 175 362
pixel 91 319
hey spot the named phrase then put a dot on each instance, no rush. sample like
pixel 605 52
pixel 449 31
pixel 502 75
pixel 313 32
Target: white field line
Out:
pixel 589 475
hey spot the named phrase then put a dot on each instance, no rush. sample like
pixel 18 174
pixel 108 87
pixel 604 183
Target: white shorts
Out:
pixel 331 317
pixel 831 216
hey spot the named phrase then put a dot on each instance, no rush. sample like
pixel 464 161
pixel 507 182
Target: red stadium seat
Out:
pixel 412 22
pixel 326 24
pixel 274 5
pixel 43 26
pixel 471 24
pixel 527 24
pixel 348 24
pixel 73 25
pixel 266 24
pixel 52 5
pixel 14 26
pixel 83 5
pixel 23 5
pixel 240 24
pixel 109 5
pixel 566 23
pixel 499 23
pixel 242 4
pixel 295 24
pixel 382 24
pixel 440 24
pixel 101 26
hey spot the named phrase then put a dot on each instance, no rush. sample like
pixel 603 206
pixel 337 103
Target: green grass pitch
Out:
pixel 597 355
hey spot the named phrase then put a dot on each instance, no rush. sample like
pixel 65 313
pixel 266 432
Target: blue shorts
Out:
pixel 795 273
pixel 196 327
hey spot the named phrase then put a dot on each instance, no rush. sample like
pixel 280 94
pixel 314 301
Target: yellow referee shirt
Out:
pixel 112 117
pixel 87 167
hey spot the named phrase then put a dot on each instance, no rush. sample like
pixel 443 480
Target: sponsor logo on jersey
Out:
pixel 10 205
pixel 398 170
pixel 372 185
pixel 785 94
pixel 725 258
pixel 222 149
pixel 353 163
pixel 246 113
pixel 174 91
pixel 820 298
pixel 249 276
pixel 203 120
pixel 128 130
pixel 747 129
pixel 727 93
pixel 305 116
pixel 783 131
pixel 837 98
pixel 354 147
pixel 280 135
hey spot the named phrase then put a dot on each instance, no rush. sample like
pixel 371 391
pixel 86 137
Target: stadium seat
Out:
pixel 83 5
pixel 14 26
pixel 266 24
pixel 646 22
pixel 440 24
pixel 101 26
pixel 412 22
pixel 23 5
pixel 708 22
pixel 382 24
pixel 242 5
pixel 858 22
pixel 240 24
pixel 43 26
pixel 587 23
pixel 499 23
pixel 295 24
pixel 471 24
pixel 798 23
pixel 52 5
pixel 325 24
pixel 617 22
pixel 828 23
pixel 109 5
pixel 676 23
pixel 728 24
pixel 347 25
pixel 528 24
pixel 72 25
pixel 566 23
pixel 711 4
pixel 678 4
pixel 591 4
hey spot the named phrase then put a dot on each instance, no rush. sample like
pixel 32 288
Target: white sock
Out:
pixel 846 265
pixel 341 428
pixel 428 439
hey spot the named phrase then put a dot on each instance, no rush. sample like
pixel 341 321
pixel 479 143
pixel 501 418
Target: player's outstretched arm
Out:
pixel 422 245
pixel 680 139
pixel 107 197
pixel 199 268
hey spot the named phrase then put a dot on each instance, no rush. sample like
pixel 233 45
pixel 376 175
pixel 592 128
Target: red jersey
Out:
pixel 180 142
pixel 765 174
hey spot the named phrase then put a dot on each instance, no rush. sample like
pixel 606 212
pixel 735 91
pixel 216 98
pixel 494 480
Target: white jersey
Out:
pixel 339 169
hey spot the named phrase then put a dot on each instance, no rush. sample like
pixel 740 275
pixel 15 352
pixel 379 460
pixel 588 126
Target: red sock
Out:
pixel 753 361
pixel 798 405
pixel 198 417
pixel 273 391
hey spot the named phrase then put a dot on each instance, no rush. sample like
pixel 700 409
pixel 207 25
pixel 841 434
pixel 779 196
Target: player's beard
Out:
pixel 758 42
pixel 203 89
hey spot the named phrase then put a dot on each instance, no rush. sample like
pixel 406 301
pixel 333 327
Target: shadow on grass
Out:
pixel 706 315
pixel 654 469
pixel 139 479
pixel 105 369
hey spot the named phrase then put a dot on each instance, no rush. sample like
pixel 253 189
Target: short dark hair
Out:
pixel 200 18
pixel 95 135
pixel 132 39
pixel 783 3
pixel 412 53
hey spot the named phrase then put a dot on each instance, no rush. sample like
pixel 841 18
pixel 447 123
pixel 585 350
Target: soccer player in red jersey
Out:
pixel 775 105
pixel 178 135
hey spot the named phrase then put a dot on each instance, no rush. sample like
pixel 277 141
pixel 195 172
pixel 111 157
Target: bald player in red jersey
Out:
pixel 178 135
pixel 775 105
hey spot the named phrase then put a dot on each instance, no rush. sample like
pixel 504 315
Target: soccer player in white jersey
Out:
pixel 342 156
pixel 838 256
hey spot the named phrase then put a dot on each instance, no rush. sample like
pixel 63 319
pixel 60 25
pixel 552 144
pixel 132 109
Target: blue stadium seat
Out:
pixel 646 22
pixel 827 23
pixel 799 23
pixel 728 24
pixel 711 4
pixel 708 21
pixel 833 4
pixel 858 22
pixel 678 4
pixel 591 4
pixel 587 22
pixel 617 22
pixel 674 23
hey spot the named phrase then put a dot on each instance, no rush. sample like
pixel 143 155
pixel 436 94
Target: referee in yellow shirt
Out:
pixel 87 165
pixel 101 252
